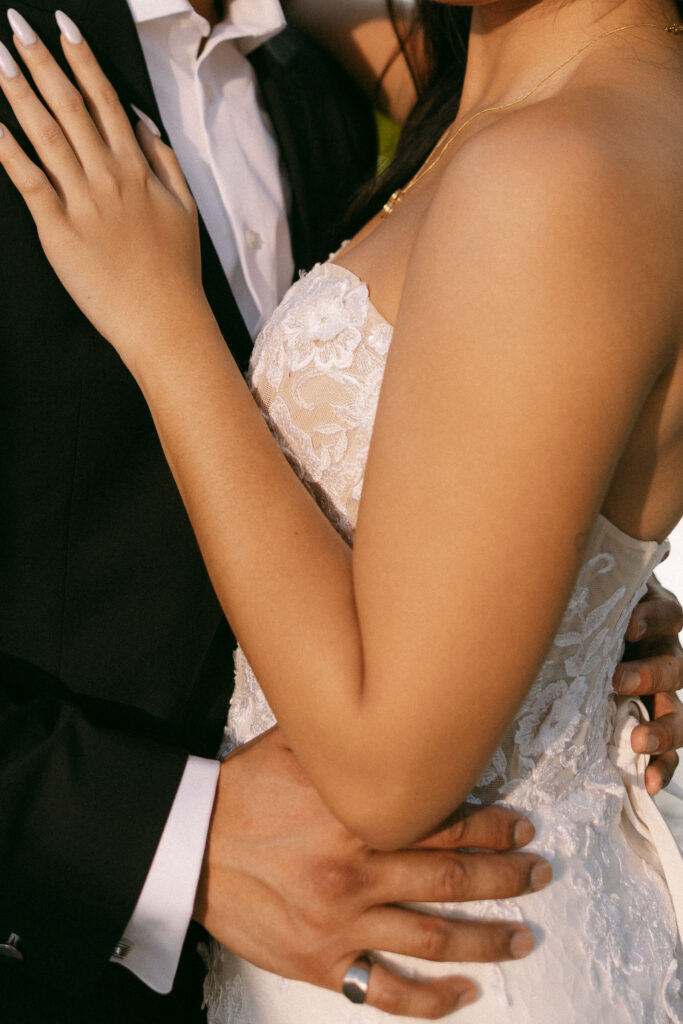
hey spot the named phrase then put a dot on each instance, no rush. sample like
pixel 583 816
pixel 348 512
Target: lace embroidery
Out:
pixel 316 372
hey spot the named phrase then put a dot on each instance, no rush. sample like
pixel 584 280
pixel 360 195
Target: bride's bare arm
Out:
pixel 512 383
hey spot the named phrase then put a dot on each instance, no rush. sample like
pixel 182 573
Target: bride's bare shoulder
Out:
pixel 596 165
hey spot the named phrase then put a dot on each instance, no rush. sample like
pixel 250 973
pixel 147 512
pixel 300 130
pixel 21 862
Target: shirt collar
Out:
pixel 245 19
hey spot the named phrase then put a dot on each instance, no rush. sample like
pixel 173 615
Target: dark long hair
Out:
pixel 438 79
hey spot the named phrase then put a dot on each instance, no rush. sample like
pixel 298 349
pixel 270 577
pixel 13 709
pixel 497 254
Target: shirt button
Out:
pixel 208 93
pixel 253 239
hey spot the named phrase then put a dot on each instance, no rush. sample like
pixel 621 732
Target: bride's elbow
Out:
pixel 385 816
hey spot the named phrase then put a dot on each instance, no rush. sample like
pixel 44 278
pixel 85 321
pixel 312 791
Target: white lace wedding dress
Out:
pixel 606 927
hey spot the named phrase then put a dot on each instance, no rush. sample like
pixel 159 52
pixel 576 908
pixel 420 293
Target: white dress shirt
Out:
pixel 208 99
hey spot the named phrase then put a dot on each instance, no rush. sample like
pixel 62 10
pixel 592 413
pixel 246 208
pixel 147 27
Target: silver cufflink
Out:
pixel 122 949
pixel 10 950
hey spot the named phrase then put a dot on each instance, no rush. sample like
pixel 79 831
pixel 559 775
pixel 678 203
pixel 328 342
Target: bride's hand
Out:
pixel 113 212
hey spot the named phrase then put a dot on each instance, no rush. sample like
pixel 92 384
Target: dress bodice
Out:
pixel 316 372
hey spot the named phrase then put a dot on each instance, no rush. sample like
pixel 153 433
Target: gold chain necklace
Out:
pixel 448 138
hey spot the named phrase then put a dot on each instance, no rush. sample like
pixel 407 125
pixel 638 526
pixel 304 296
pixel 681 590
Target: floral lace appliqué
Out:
pixel 316 372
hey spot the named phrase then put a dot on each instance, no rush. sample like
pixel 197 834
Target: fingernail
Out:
pixel 521 944
pixel 629 681
pixel 524 833
pixel 8 66
pixel 68 28
pixel 640 630
pixel 146 120
pixel 466 998
pixel 648 745
pixel 540 876
pixel 2 131
pixel 21 28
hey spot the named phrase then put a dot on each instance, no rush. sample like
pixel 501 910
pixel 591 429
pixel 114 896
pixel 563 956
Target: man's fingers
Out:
pixel 451 877
pixel 483 828
pixel 430 937
pixel 660 771
pixel 658 614
pixel 660 736
pixel 412 997
pixel 661 673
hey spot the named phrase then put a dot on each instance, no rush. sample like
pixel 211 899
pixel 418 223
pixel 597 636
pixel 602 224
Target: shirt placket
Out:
pixel 243 155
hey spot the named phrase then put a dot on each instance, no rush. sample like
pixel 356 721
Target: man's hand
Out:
pixel 285 886
pixel 653 665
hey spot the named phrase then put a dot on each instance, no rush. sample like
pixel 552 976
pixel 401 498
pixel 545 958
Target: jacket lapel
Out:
pixel 327 137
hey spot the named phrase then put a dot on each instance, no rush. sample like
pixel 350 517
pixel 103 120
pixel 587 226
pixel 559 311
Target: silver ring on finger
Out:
pixel 357 979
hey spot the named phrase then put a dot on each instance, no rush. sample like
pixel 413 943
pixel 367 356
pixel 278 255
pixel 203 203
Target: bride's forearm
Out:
pixel 282 573
pixel 284 577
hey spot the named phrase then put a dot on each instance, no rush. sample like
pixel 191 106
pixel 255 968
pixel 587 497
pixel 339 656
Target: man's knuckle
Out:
pixel 334 880
pixel 434 938
pixel 456 882
pixel 459 830
pixel 437 1003
pixel 388 994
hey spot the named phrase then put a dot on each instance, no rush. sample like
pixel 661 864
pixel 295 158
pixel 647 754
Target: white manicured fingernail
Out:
pixel 8 66
pixel 146 120
pixel 21 28
pixel 68 28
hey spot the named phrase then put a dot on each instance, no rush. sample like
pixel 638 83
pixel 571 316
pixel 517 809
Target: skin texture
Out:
pixel 114 196
pixel 288 888
pixel 357 34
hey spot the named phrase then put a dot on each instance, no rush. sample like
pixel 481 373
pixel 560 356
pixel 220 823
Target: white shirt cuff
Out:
pixel 153 939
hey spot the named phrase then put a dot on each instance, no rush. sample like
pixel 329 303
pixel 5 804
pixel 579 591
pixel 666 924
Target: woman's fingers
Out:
pixel 59 93
pixel 43 131
pixel 100 95
pixel 162 160
pixel 31 182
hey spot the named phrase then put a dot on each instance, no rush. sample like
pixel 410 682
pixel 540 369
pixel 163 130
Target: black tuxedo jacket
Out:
pixel 115 660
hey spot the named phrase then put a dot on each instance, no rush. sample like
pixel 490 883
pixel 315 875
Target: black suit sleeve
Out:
pixel 83 805
pixel 115 660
